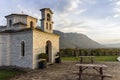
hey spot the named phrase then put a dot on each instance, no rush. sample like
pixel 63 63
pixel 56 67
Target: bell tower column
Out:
pixel 46 21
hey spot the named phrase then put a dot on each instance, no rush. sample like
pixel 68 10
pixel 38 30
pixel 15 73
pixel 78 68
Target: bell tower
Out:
pixel 46 21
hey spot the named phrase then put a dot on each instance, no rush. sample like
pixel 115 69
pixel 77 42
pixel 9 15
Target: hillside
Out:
pixel 73 40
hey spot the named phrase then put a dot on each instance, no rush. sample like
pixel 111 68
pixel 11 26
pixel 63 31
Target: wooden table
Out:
pixel 97 67
pixel 91 58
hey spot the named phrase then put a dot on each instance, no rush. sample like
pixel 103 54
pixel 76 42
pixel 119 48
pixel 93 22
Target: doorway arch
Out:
pixel 49 51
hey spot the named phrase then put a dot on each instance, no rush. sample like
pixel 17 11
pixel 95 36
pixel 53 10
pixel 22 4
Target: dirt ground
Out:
pixel 66 70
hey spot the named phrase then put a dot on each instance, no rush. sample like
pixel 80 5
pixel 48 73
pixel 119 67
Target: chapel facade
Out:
pixel 21 40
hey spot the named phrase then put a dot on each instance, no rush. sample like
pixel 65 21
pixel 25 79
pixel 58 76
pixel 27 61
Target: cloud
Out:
pixel 118 2
pixel 64 8
pixel 117 12
pixel 116 15
pixel 29 11
pixel 73 5
pixel 74 29
pixel 117 9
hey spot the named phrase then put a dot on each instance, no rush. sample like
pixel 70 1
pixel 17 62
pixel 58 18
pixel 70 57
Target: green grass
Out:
pixel 5 74
pixel 97 58
pixel 106 58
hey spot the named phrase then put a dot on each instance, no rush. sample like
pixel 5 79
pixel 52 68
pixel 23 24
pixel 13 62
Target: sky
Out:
pixel 98 19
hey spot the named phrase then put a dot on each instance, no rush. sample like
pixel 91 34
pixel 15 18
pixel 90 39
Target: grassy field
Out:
pixel 6 74
pixel 97 58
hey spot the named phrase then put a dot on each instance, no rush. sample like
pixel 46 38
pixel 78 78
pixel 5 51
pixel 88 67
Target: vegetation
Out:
pixel 106 58
pixel 97 58
pixel 42 58
pixel 5 74
pixel 89 52
pixel 102 54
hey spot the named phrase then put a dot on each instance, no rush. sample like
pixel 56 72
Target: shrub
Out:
pixel 42 60
pixel 42 56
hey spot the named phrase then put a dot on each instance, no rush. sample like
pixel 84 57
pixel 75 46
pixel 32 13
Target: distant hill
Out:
pixel 116 45
pixel 73 40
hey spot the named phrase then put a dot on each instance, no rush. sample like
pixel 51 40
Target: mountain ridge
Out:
pixel 73 40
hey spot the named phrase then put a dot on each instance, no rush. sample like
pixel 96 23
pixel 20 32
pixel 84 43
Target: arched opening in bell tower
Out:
pixel 48 17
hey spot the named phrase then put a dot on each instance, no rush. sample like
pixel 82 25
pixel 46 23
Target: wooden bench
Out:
pixel 91 74
pixel 97 67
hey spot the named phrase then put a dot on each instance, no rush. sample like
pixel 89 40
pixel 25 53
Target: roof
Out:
pixel 13 14
pixel 46 9
pixel 20 23
pixel 25 29
pixel 3 26
pixel 14 31
pixel 16 15
pixel 44 31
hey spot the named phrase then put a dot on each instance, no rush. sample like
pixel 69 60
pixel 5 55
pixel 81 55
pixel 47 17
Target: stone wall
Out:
pixel 5 49
pixel 29 19
pixel 22 19
pixel 16 58
pixel 39 44
pixel 19 18
pixel 10 18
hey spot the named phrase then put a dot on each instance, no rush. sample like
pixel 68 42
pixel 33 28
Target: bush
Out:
pixel 67 52
pixel 42 60
pixel 42 56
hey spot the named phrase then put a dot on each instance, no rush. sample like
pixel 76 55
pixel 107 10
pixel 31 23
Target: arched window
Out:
pixel 46 25
pixel 22 48
pixel 10 23
pixel 31 24
pixel 48 17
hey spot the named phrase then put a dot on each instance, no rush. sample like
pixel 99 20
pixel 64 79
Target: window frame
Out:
pixel 22 49
pixel 48 17
pixel 31 24
pixel 10 22
pixel 50 27
pixel 46 25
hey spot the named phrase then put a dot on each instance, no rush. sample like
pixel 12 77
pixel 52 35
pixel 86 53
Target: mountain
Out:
pixel 116 45
pixel 73 40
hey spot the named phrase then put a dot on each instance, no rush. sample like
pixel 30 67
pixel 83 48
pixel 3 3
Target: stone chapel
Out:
pixel 21 40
